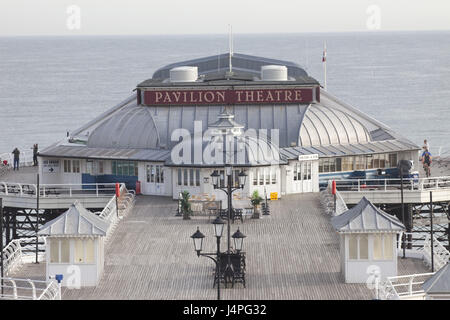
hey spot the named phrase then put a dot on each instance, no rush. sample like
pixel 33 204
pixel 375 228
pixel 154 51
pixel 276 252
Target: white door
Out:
pixel 302 178
pixel 154 182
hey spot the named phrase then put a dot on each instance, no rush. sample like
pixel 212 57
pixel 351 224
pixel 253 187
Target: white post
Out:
pixel 359 186
pixel 324 60
pixel 96 189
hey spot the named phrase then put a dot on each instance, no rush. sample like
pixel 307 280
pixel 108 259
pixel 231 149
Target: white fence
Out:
pixel 57 190
pixel 388 185
pixel 403 287
pixel 20 251
pixel 328 202
pixel 26 289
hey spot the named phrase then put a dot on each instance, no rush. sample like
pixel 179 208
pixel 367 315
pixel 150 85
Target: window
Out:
pixel 76 166
pixel 267 174
pixel 67 166
pixel 358 247
pixel 59 250
pixel 197 177
pixel 152 173
pixel 255 177
pixel 338 164
pixel 321 161
pixel 180 178
pixel 191 177
pixel 363 247
pixel 360 163
pixel 158 174
pixel 100 167
pixel 332 163
pixel 124 168
pixel 383 247
pixel 274 176
pixel 369 161
pixel 261 177
pixel 347 164
pixel 353 247
pixel 84 251
pixel 377 247
pixel 185 177
pixel 392 160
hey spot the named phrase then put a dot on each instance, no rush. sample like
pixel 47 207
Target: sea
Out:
pixel 51 85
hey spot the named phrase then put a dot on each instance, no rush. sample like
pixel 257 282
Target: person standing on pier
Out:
pixel 35 152
pixel 16 154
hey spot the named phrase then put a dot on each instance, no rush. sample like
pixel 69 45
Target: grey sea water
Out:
pixel 49 85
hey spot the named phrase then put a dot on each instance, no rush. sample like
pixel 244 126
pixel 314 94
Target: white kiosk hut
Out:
pixel 75 246
pixel 437 287
pixel 368 238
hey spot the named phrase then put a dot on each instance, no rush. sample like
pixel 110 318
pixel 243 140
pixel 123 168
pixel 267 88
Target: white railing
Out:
pixel 25 159
pixel 403 287
pixel 389 185
pixel 109 213
pixel 327 200
pixel 440 254
pixel 20 251
pixel 26 289
pixel 57 190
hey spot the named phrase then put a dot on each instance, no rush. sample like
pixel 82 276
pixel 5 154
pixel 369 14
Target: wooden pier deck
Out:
pixel 291 254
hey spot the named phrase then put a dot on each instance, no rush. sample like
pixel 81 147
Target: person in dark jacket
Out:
pixel 16 154
pixel 35 152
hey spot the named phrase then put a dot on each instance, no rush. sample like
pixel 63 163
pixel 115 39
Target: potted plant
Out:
pixel 185 205
pixel 256 203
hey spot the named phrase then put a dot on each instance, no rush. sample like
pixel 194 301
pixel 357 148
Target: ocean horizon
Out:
pixel 53 84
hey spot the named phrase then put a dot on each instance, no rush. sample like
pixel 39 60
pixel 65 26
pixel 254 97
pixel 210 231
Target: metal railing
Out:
pixel 407 287
pixel 20 251
pixel 57 190
pixel 25 159
pixel 327 200
pixel 392 184
pixel 441 255
pixel 26 289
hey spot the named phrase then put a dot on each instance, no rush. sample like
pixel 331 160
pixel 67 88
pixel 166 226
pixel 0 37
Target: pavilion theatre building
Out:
pixel 265 117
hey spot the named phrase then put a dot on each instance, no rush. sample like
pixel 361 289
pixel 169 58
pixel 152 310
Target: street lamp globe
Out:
pixel 238 238
pixel 218 226
pixel 242 177
pixel 215 178
pixel 198 240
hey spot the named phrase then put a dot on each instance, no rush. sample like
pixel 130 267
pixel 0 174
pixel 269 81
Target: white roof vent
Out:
pixel 184 74
pixel 274 73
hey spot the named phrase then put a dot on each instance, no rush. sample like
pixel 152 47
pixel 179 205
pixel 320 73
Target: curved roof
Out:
pixel 324 125
pixel 132 127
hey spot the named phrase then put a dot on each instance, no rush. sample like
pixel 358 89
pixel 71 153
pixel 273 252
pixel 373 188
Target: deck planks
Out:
pixel 291 254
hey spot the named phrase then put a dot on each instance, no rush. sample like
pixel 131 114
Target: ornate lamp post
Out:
pixel 198 237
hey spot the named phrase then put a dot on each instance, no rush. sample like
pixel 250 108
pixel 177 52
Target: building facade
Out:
pixel 265 117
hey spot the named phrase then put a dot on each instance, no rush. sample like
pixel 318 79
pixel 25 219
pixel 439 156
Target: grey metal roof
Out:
pixel 348 149
pixel 328 128
pixel 365 217
pixel 439 283
pixel 76 221
pixel 83 152
pixel 240 62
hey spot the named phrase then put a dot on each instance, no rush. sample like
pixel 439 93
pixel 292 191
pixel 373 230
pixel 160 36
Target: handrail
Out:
pixel 57 190
pixel 440 254
pixel 29 289
pixel 393 184
pixel 403 287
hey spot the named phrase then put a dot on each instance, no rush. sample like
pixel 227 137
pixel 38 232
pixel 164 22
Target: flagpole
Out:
pixel 324 60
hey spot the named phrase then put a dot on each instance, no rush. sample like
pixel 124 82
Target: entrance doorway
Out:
pixel 302 179
pixel 154 180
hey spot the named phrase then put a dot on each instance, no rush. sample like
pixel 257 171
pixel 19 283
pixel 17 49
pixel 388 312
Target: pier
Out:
pixel 291 254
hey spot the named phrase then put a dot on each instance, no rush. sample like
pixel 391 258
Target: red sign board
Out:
pixel 217 96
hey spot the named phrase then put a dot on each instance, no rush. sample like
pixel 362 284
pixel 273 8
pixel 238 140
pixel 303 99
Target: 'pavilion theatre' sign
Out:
pixel 236 96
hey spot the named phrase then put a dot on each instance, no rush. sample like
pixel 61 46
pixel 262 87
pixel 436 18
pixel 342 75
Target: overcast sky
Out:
pixel 126 17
